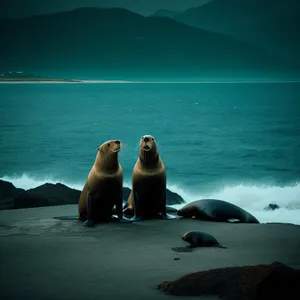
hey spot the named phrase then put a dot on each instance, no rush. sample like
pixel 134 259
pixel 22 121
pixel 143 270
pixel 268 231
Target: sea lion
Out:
pixel 103 187
pixel 198 239
pixel 147 198
pixel 216 210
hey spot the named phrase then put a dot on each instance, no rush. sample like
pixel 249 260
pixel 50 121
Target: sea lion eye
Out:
pixel 152 139
pixel 108 144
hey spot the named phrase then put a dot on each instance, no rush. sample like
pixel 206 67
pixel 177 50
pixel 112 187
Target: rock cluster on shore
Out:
pixel 274 281
pixel 50 194
pixel 8 192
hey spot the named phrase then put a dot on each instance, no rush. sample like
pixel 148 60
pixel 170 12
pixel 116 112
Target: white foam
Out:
pixel 253 198
pixel 28 182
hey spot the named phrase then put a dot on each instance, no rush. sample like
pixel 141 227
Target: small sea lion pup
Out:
pixel 149 183
pixel 197 239
pixel 200 239
pixel 103 188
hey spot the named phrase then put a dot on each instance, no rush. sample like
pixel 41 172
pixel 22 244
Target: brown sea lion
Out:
pixel 148 195
pixel 103 188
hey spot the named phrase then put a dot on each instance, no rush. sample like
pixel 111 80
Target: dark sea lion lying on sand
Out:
pixel 216 210
pixel 197 239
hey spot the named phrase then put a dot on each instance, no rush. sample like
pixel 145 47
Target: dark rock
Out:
pixel 272 206
pixel 174 198
pixel 282 283
pixel 55 194
pixel 8 192
pixel 47 195
pixel 52 194
pixel 274 281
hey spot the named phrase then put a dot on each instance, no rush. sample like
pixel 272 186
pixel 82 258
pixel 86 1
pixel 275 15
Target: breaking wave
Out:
pixel 253 198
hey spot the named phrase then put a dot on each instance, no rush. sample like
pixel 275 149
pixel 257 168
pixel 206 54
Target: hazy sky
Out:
pixel 21 8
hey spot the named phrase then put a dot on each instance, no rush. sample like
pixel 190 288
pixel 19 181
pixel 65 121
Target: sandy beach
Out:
pixel 45 258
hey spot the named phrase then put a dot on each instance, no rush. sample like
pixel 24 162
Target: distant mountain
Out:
pixel 271 24
pixel 165 13
pixel 116 43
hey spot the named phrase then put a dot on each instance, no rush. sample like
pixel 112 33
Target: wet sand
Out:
pixel 45 258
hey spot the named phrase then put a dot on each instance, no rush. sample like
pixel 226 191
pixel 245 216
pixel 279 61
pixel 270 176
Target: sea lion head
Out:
pixel 148 149
pixel 110 147
pixel 107 156
pixel 187 212
pixel 184 237
pixel 194 211
pixel 187 237
pixel 190 210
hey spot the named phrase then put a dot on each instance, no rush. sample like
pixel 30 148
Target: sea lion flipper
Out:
pixel 137 215
pixel 125 220
pixel 135 219
pixel 88 223
pixel 164 214
pixel 119 206
pixel 168 217
pixel 222 247
pixel 119 209
pixel 233 220
pixel 90 220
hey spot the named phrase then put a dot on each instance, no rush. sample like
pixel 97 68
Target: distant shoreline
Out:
pixel 203 81
pixel 55 80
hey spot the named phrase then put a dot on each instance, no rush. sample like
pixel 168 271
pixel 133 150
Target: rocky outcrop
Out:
pixel 53 194
pixel 174 198
pixel 8 192
pixel 47 195
pixel 272 206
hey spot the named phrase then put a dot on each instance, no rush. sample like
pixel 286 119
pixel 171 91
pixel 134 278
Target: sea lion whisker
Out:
pixel 123 146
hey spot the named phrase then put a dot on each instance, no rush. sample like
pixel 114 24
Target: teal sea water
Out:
pixel 238 142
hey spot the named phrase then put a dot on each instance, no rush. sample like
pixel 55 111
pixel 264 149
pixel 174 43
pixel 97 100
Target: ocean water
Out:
pixel 238 142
